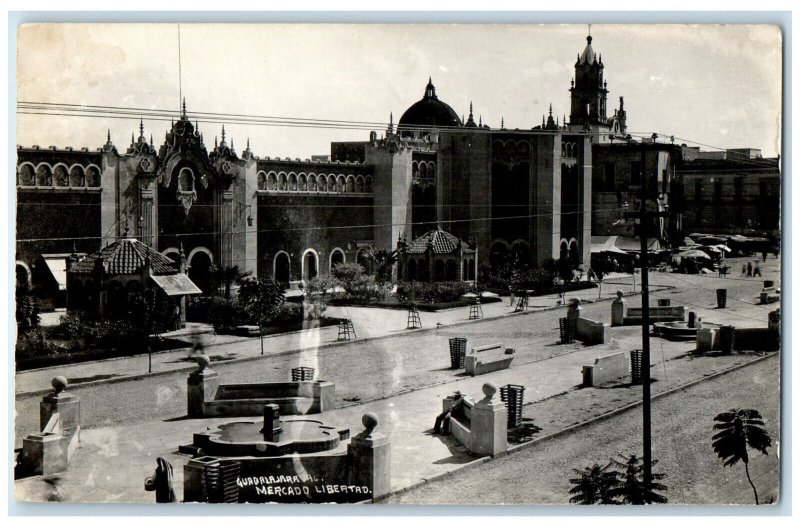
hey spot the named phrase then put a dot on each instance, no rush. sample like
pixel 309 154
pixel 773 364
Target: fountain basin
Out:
pixel 245 438
pixel 678 330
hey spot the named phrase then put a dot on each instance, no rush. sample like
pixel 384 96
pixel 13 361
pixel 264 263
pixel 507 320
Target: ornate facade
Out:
pixel 521 194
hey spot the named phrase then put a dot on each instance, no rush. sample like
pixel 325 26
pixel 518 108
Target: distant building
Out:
pixel 736 191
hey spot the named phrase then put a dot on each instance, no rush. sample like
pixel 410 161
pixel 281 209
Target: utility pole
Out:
pixel 644 224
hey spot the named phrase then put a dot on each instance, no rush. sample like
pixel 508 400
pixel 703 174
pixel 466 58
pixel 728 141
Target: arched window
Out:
pixel 292 182
pixel 200 265
pixel 23 275
pixel 414 170
pixel 359 184
pixel 438 270
pixel 312 183
pixel 331 183
pixel 471 274
pixel 310 264
pixel 77 178
pixel 92 176
pixel 272 181
pixel 451 270
pixel 337 257
pixel 351 184
pixel 281 181
pixel 186 180
pixel 262 181
pixel 422 171
pixel 302 183
pixel 117 300
pixel 368 184
pixel 281 268
pixel 44 176
pixel 60 176
pixel 323 184
pixel 26 176
pixel 412 270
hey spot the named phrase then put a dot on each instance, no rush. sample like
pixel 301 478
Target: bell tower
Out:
pixel 588 90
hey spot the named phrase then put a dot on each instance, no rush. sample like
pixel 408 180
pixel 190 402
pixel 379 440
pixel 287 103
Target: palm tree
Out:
pixel 631 488
pixel 738 429
pixel 593 485
pixel 227 276
pixel 384 261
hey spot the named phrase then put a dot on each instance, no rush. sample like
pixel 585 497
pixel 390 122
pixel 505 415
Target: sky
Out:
pixel 713 85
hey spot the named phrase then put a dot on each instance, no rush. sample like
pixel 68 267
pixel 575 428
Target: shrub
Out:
pixel 259 299
pixel 225 314
pixel 27 312
pixel 287 313
pixel 434 292
pixel 320 285
pixel 313 310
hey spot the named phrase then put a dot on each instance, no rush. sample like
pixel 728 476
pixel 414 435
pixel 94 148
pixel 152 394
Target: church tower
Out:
pixel 588 90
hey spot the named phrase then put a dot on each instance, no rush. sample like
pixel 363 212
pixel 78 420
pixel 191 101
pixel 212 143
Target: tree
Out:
pixel 227 276
pixel 27 310
pixel 738 429
pixel 142 311
pixel 593 485
pixel 631 489
pixel 260 299
pixel 384 263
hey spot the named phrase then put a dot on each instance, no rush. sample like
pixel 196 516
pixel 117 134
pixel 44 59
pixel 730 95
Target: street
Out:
pixel 682 430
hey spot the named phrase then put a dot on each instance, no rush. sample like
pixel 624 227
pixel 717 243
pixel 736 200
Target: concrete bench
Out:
pixel 591 332
pixel 606 369
pixel 482 426
pixel 206 397
pixel 486 359
pixel 657 314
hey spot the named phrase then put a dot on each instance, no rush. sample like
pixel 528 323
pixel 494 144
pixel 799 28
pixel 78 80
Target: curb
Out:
pixel 573 428
pixel 133 377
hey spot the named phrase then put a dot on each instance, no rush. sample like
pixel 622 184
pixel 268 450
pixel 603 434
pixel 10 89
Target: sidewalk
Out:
pixel 112 462
pixel 369 323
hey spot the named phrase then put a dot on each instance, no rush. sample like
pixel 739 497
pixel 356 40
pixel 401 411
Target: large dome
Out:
pixel 429 112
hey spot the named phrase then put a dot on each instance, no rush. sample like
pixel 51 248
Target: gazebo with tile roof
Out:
pixel 437 256
pixel 100 283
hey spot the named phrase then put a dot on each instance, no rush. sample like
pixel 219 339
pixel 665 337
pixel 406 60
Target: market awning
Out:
pixel 605 244
pixel 634 245
pixel 176 284
pixel 57 264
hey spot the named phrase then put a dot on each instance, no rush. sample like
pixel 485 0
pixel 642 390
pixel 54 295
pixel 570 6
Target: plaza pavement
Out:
pixel 112 461
pixel 369 323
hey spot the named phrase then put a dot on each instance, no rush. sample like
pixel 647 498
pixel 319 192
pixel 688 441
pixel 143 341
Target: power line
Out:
pixel 312 228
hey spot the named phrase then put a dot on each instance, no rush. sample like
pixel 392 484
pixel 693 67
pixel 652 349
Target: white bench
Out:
pixel 485 359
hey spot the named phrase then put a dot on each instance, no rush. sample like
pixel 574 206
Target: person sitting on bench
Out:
pixel 442 425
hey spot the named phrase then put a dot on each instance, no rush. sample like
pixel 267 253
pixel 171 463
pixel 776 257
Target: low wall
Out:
pixel 606 369
pixel 745 339
pixel 591 332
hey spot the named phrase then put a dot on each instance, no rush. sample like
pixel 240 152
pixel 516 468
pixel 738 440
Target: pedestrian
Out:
pixel 615 265
pixel 757 270
pixel 176 316
pixel 744 269
pixel 749 268
pixel 161 482
pixel 764 255
pixel 512 297
pixel 442 424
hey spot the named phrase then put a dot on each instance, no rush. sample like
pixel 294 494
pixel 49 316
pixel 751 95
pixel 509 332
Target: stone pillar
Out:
pixel 369 454
pixel 201 386
pixel 226 229
pixel 574 309
pixel 148 214
pixel 49 451
pixel 618 310
pixel 489 424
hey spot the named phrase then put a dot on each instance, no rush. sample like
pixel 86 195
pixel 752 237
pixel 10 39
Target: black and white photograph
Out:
pixel 398 264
